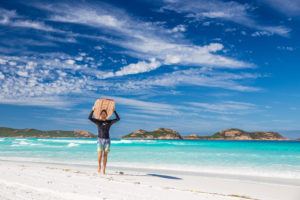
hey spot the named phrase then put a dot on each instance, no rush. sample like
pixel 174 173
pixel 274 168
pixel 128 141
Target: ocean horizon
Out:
pixel 252 158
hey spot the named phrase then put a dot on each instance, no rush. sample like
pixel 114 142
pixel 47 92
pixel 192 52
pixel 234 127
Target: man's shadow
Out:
pixel 149 174
pixel 165 176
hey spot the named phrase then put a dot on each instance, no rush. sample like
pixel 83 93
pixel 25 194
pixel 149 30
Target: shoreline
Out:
pixel 184 139
pixel 288 178
pixel 232 140
pixel 60 181
pixel 255 178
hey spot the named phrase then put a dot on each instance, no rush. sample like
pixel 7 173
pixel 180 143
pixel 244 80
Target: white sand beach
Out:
pixel 44 181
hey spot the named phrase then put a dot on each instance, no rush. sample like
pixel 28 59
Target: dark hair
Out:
pixel 103 111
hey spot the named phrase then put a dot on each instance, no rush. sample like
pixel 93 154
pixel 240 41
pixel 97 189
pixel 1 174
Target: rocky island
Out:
pixel 161 134
pixel 194 136
pixel 238 134
pixel 228 134
pixel 10 132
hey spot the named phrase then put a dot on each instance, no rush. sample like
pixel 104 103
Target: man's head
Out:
pixel 103 115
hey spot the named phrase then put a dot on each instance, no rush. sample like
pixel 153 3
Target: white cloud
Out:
pixel 136 68
pixel 184 54
pixel 2 61
pixel 285 48
pixel 31 65
pixel 70 62
pixel 6 15
pixel 229 11
pixel 98 48
pixel 12 63
pixel 57 102
pixel 139 67
pixel 195 77
pixel 243 32
pixel 32 80
pixel 148 107
pixel 230 29
pixel 19 43
pixel 11 18
pixel 143 40
pixel 287 7
pixel 261 33
pixel 178 28
pixel 87 16
pixel 206 23
pixel 226 107
pixel 22 73
pixel 1 76
pixel 31 24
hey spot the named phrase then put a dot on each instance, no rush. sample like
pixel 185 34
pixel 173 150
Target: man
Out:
pixel 103 142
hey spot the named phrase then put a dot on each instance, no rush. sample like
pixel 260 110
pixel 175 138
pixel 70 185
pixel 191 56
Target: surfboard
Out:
pixel 104 104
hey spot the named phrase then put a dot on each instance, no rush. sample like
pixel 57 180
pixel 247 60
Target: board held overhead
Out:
pixel 104 104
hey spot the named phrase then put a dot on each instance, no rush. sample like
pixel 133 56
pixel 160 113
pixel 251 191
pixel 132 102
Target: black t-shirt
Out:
pixel 104 125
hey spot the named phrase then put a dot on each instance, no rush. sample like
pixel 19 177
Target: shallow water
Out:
pixel 258 158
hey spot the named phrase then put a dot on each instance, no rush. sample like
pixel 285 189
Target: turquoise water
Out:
pixel 258 158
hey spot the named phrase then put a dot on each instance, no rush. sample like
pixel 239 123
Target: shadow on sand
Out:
pixel 148 174
pixel 165 176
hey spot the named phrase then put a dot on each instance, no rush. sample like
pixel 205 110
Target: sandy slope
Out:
pixel 25 180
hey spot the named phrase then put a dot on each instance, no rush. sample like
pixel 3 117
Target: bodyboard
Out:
pixel 104 104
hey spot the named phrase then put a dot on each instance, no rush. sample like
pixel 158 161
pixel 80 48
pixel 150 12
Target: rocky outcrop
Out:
pixel 228 134
pixel 238 134
pixel 196 137
pixel 192 137
pixel 82 133
pixel 160 134
pixel 10 132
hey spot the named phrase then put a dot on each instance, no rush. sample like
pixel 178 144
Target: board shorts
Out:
pixel 103 144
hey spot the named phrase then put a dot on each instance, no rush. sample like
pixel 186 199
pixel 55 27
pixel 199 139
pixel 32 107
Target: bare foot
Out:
pixel 99 170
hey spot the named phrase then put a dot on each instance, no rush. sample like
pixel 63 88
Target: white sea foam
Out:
pixel 125 141
pixel 121 142
pixel 144 141
pixel 69 141
pixel 72 144
pixel 133 141
pixel 23 143
pixel 175 143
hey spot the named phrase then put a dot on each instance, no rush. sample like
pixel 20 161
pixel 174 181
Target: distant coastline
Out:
pixel 158 134
pixel 228 134
pixel 23 133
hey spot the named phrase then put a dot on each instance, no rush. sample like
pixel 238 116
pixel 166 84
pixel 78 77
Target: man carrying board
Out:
pixel 103 142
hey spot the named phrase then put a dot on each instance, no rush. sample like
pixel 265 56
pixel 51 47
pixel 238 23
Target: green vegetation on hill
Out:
pixel 10 132
pixel 229 134
pixel 196 137
pixel 161 133
pixel 238 134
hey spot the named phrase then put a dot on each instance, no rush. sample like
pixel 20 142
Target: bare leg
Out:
pixel 104 161
pixel 99 160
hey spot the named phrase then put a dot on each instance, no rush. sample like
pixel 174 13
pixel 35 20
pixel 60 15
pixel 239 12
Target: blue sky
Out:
pixel 193 66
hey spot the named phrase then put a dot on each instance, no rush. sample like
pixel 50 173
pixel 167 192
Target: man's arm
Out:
pixel 96 121
pixel 117 118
